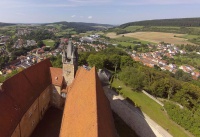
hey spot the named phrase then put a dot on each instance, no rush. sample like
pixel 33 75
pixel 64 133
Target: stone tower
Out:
pixel 70 62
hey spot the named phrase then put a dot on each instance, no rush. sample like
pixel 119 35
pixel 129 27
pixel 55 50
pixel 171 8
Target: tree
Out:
pixel 132 77
pixel 40 44
pixel 56 61
pixel 96 60
pixel 126 61
pixel 180 75
pixel 82 59
pixel 115 60
pixel 157 67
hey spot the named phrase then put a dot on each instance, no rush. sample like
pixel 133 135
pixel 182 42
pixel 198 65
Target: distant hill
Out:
pixel 182 22
pixel 82 27
pixel 6 24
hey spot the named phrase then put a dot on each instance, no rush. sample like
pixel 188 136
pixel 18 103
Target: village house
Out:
pixel 195 75
pixel 4 38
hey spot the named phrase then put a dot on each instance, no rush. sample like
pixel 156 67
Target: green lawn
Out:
pixel 127 41
pixel 49 42
pixel 125 44
pixel 151 108
pixel 189 36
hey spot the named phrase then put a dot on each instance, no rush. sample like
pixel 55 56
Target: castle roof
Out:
pixel 39 75
pixel 87 112
pixel 56 76
pixel 19 92
pixel 9 115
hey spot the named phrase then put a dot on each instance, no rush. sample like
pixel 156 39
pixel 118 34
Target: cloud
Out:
pixel 90 17
pixel 73 16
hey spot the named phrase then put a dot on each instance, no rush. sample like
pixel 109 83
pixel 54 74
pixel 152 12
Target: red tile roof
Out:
pixel 19 92
pixel 56 76
pixel 87 112
pixel 9 115
pixel 39 75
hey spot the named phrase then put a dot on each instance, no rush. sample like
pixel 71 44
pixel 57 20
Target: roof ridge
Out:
pixel 93 71
pixel 90 114
pixel 76 77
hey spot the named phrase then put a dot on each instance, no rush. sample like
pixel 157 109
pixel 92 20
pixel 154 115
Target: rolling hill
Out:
pixel 182 22
pixel 6 24
pixel 81 27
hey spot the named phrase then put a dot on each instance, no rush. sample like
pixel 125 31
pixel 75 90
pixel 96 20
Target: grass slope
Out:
pixel 152 109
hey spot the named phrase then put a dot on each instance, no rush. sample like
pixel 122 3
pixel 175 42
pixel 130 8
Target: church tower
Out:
pixel 70 62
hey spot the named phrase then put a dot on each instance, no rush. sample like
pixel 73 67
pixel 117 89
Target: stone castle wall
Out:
pixel 134 117
pixel 68 73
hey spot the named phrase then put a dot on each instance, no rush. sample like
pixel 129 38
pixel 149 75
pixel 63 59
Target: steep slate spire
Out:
pixel 69 49
pixel 63 55
pixel 70 62
pixel 70 54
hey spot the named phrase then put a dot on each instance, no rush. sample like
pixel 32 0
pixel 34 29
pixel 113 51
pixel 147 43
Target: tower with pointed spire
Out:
pixel 70 62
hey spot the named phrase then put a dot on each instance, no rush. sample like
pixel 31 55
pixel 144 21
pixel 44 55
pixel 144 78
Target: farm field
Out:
pixel 155 37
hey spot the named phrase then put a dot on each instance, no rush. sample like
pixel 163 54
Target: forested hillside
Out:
pixel 6 24
pixel 182 22
pixel 82 27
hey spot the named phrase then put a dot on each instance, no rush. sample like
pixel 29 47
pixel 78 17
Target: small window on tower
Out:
pixel 63 95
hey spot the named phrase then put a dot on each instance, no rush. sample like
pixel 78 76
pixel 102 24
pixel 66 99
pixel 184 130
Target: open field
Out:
pixel 126 41
pixel 152 109
pixel 49 42
pixel 112 35
pixel 155 37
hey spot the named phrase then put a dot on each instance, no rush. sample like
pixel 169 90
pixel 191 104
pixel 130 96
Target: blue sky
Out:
pixel 96 11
